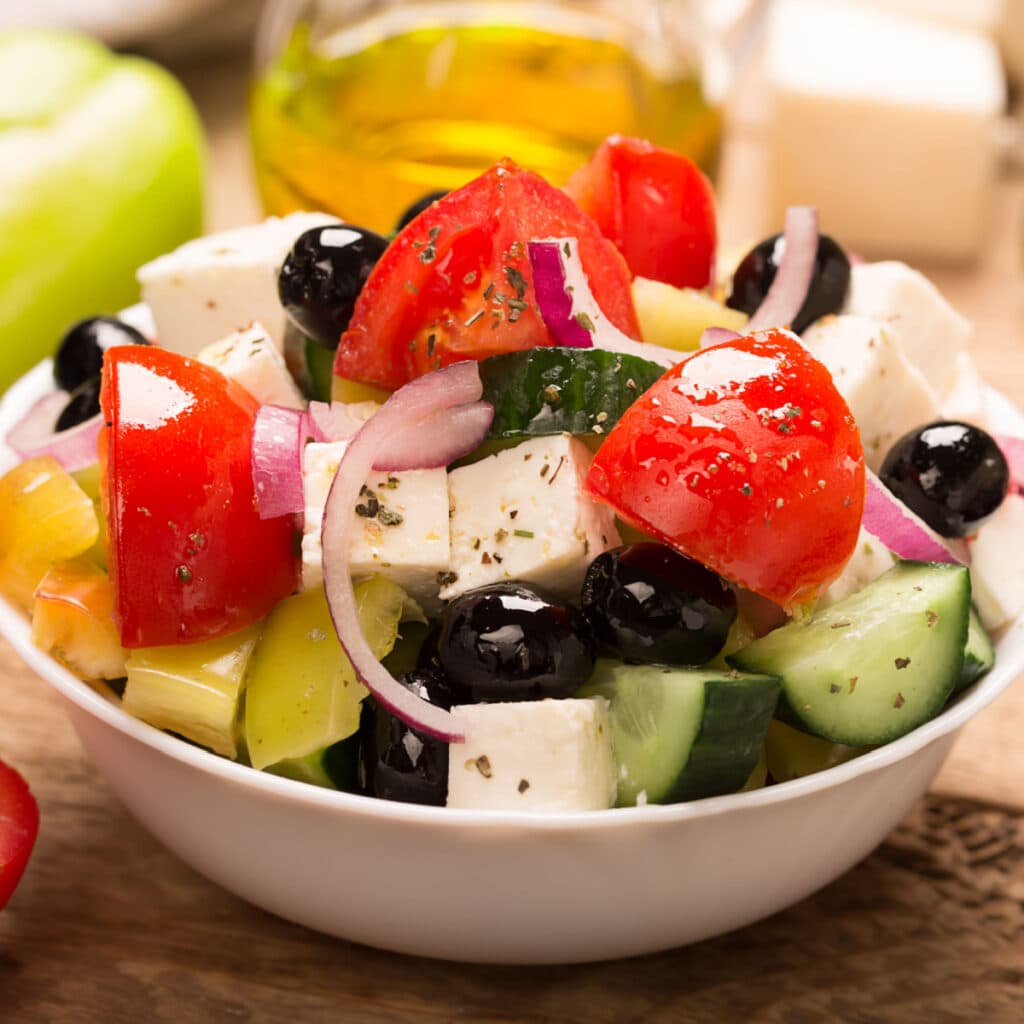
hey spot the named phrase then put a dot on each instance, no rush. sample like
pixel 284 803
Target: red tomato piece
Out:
pixel 746 458
pixel 456 282
pixel 190 558
pixel 656 206
pixel 19 826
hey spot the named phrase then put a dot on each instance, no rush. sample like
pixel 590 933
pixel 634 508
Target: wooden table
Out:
pixel 108 927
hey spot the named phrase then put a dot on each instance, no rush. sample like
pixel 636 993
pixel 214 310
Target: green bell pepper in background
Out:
pixel 101 168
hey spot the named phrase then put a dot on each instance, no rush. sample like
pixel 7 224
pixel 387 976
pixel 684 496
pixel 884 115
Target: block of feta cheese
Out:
pixel 400 525
pixel 965 399
pixel 886 123
pixel 540 755
pixel 933 334
pixel 997 564
pixel 886 395
pixel 250 358
pixel 209 287
pixel 870 559
pixel 521 514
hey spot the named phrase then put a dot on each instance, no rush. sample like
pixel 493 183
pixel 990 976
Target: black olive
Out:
pixel 507 641
pixel 952 474
pixel 397 762
pixel 649 603
pixel 826 293
pixel 421 204
pixel 322 276
pixel 83 404
pixel 80 354
pixel 427 658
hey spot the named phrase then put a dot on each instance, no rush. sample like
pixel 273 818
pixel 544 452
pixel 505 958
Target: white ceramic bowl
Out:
pixel 506 887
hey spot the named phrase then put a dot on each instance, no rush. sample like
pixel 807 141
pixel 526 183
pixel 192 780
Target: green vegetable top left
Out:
pixel 101 169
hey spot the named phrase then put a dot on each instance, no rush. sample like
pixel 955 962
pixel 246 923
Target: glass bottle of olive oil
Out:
pixel 363 106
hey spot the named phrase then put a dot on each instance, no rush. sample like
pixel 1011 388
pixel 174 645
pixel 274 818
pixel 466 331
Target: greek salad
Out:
pixel 529 505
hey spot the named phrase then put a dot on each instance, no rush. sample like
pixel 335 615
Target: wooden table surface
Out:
pixel 109 927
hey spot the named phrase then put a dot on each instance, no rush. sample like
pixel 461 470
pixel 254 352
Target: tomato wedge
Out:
pixel 190 558
pixel 19 826
pixel 655 205
pixel 456 282
pixel 746 458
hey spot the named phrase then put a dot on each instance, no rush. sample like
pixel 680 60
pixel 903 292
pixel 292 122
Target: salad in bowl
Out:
pixel 523 515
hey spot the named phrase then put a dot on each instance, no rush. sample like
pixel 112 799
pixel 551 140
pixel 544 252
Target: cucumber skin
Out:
pixel 979 653
pixel 717 761
pixel 595 389
pixel 751 659
pixel 716 767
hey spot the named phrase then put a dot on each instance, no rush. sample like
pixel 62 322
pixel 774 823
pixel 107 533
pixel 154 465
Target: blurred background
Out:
pixel 889 115
pixel 896 118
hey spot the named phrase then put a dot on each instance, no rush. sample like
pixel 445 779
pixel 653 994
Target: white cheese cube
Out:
pixel 406 537
pixel 546 755
pixel 521 514
pixel 209 287
pixel 886 395
pixel 965 399
pixel 870 559
pixel 887 124
pixel 997 564
pixel 931 331
pixel 250 358
pixel 139 316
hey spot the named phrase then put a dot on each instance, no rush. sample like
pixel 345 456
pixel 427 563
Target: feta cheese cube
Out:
pixel 997 564
pixel 886 395
pixel 931 331
pixel 521 514
pixel 250 358
pixel 965 399
pixel 209 287
pixel 546 755
pixel 405 538
pixel 886 123
pixel 870 559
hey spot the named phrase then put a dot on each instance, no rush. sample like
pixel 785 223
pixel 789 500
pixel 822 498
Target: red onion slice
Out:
pixel 555 285
pixel 278 438
pixel 336 421
pixel 715 336
pixel 568 307
pixel 436 441
pixel 903 532
pixel 789 289
pixel 35 434
pixel 406 412
pixel 1013 451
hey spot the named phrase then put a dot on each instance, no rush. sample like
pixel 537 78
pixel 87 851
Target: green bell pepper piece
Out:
pixel 101 167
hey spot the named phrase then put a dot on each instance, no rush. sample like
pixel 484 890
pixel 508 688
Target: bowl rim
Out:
pixel 15 627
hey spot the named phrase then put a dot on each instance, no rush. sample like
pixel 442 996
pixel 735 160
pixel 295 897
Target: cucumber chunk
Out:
pixel 979 653
pixel 543 391
pixel 683 733
pixel 878 663
pixel 319 370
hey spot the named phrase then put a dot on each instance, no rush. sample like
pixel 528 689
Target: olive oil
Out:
pixel 364 125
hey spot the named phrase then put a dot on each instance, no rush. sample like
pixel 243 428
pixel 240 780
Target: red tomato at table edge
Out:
pixel 190 559
pixel 456 282
pixel 19 826
pixel 746 458
pixel 656 206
